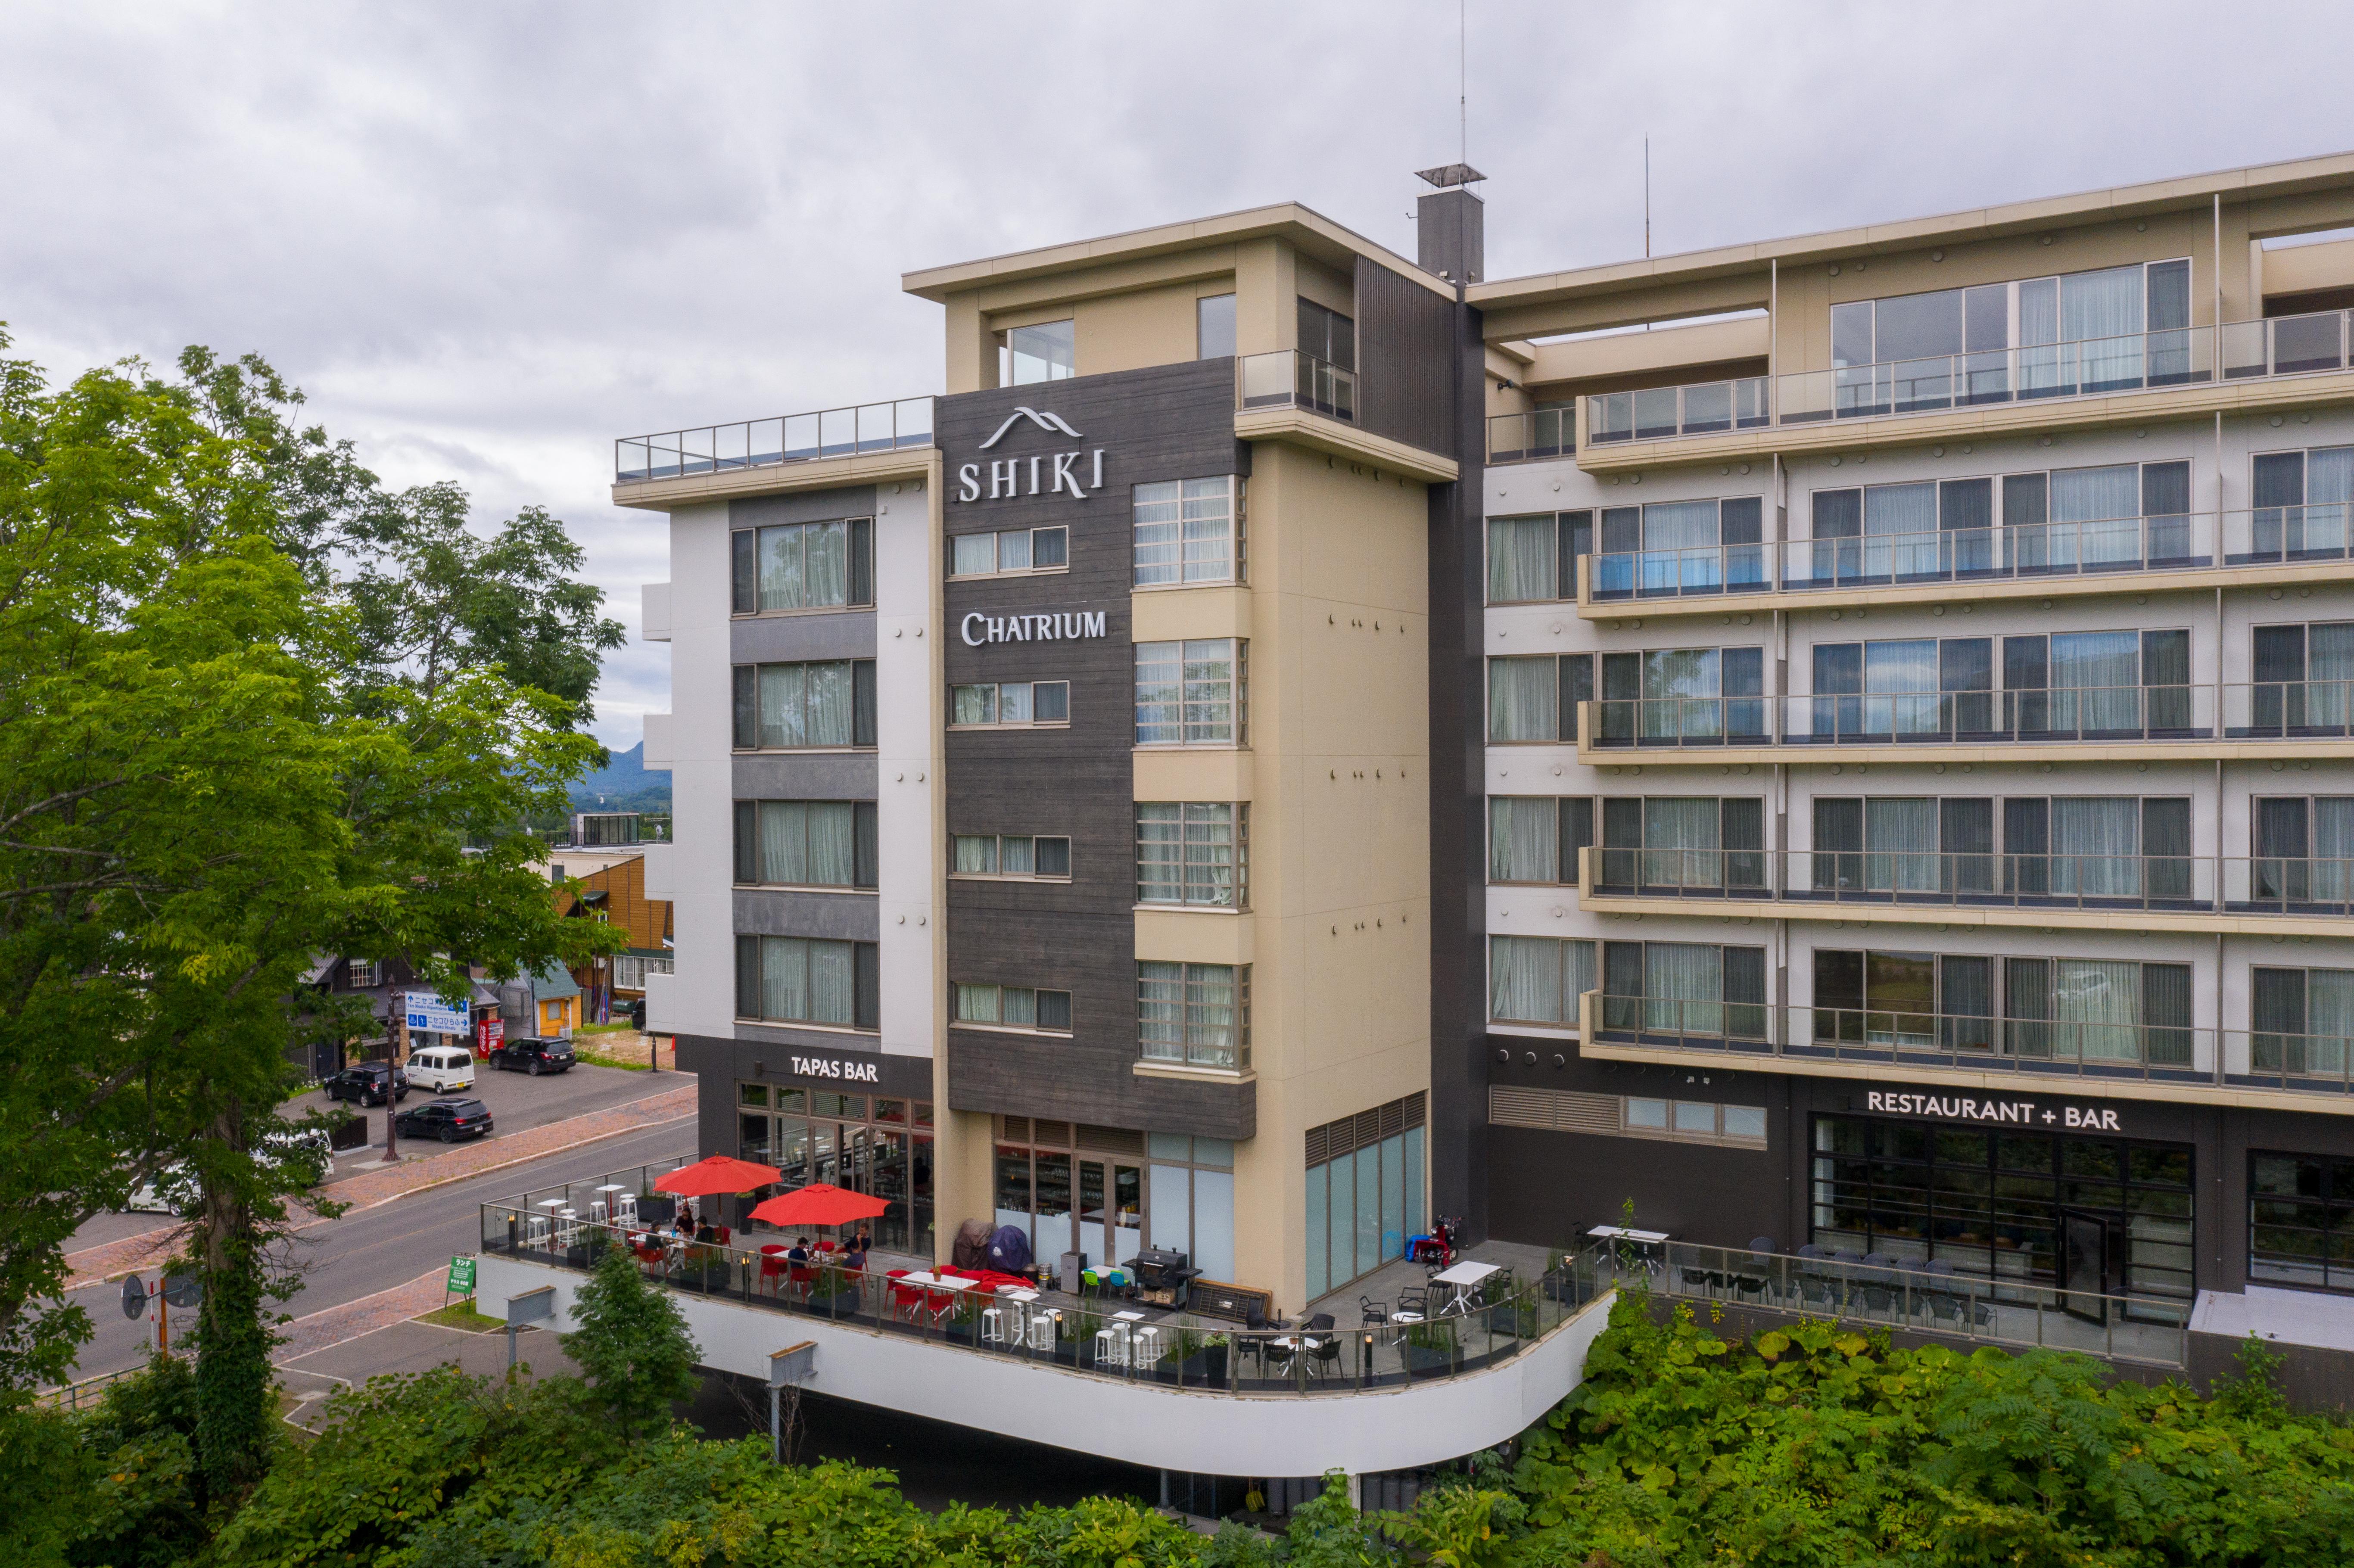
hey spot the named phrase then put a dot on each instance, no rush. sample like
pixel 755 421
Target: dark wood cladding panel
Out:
pixel 1405 360
pixel 1163 423
pixel 806 506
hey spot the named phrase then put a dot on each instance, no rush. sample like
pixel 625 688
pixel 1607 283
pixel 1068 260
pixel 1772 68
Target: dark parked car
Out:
pixel 529 1055
pixel 448 1120
pixel 365 1084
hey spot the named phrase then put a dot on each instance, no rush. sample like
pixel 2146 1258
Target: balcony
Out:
pixel 2109 556
pixel 1520 438
pixel 768 443
pixel 2272 718
pixel 2258 895
pixel 1290 378
pixel 2035 1055
pixel 2034 373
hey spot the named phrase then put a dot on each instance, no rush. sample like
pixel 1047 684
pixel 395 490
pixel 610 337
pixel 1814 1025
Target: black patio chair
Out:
pixel 1374 1311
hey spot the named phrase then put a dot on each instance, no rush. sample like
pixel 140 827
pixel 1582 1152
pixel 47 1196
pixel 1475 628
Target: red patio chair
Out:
pixel 773 1266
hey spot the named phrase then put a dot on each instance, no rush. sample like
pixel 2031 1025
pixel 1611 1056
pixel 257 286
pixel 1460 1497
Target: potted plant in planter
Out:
pixel 1201 1358
pixel 963 1323
pixel 1431 1347
pixel 833 1293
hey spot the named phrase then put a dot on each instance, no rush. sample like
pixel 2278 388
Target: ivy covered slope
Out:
pixel 1818 1446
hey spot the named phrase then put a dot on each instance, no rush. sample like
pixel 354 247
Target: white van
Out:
pixel 442 1068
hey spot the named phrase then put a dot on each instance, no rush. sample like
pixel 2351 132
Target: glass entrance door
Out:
pixel 2084 1265
pixel 1110 1212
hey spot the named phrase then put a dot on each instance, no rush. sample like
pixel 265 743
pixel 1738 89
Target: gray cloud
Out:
pixel 488 239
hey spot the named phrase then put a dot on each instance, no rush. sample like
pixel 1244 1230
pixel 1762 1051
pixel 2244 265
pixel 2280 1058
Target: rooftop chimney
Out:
pixel 1451 232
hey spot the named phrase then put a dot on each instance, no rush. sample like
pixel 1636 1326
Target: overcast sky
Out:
pixel 488 238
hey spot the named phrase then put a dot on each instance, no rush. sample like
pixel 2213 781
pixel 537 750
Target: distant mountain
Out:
pixel 624 784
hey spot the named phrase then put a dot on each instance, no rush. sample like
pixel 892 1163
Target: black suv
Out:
pixel 530 1054
pixel 448 1120
pixel 365 1084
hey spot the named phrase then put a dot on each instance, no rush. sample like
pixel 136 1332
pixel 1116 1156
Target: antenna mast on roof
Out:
pixel 1462 81
pixel 1647 199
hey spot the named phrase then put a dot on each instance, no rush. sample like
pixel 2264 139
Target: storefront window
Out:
pixel 2301 1219
pixel 1997 1205
pixel 822 1136
pixel 1364 1193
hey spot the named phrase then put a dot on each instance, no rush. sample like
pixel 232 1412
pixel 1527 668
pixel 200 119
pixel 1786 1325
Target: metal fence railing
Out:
pixel 763 444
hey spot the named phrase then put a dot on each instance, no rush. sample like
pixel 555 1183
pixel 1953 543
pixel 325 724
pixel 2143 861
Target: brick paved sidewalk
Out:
pixel 95 1265
pixel 332 1326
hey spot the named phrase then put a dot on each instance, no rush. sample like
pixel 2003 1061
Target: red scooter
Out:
pixel 1436 1250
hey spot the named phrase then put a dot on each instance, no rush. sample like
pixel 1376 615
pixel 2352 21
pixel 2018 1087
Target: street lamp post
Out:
pixel 392 1080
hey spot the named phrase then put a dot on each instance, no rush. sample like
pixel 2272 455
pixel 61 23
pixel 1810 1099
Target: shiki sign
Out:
pixel 1072 472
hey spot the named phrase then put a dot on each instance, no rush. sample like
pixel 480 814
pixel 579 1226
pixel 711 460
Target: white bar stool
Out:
pixel 534 1232
pixel 992 1326
pixel 1042 1333
pixel 1109 1351
pixel 1146 1349
pixel 625 1208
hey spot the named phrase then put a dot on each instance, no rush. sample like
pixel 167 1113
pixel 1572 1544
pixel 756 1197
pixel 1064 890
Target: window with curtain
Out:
pixel 1194 1015
pixel 1328 336
pixel 1536 838
pixel 2304 849
pixel 806 706
pixel 2097 1009
pixel 1013 552
pixel 1524 560
pixel 1535 697
pixel 2129 848
pixel 806 979
pixel 1013 1007
pixel 807 843
pixel 2305 678
pixel 1684 988
pixel 1188 531
pixel 1685 842
pixel 1193 852
pixel 1538 980
pixel 1020 855
pixel 2303 505
pixel 2097 684
pixel 1681 547
pixel 1194 692
pixel 2301 1020
pixel 1010 703
pixel 804 565
pixel 1682 695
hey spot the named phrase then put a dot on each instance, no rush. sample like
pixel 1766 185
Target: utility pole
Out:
pixel 392 1078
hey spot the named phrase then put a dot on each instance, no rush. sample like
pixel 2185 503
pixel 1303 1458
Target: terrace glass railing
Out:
pixel 1174 1350
pixel 1546 433
pixel 2097 1038
pixel 2187 542
pixel 765 444
pixel 2265 710
pixel 1290 377
pixel 2183 885
pixel 2178 356
pixel 1916 1294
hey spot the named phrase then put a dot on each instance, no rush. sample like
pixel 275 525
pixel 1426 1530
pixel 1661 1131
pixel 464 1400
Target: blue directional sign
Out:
pixel 435 1014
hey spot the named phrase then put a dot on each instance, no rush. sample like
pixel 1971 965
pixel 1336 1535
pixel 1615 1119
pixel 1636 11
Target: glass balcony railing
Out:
pixel 1546 433
pixel 2187 884
pixel 2091 368
pixel 765 443
pixel 1290 378
pixel 2262 709
pixel 2092 1037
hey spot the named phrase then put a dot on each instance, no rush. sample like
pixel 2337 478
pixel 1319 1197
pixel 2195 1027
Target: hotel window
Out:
pixel 2301 1219
pixel 1535 697
pixel 1682 547
pixel 2063 520
pixel 1017 856
pixel 1683 695
pixel 1214 326
pixel 1013 704
pixel 1533 560
pixel 2047 1009
pixel 1364 1191
pixel 363 974
pixel 1684 989
pixel 805 707
pixel 1193 1199
pixel 1191 853
pixel 2304 849
pixel 806 979
pixel 1921 685
pixel 1535 838
pixel 2098 846
pixel 2302 1020
pixel 1194 693
pixel 2302 501
pixel 1026 355
pixel 1685 841
pixel 1189 531
pixel 1904 845
pixel 2099 317
pixel 1627 1116
pixel 1328 336
pixel 1538 980
pixel 804 565
pixel 806 843
pixel 1012 552
pixel 1194 1015
pixel 2096 683
pixel 630 970
pixel 1014 1007
pixel 2304 677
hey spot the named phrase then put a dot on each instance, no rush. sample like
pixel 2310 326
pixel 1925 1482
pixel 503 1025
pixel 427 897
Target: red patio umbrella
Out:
pixel 708 1178
pixel 818 1205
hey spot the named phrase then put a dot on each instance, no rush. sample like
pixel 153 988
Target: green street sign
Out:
pixel 461 1277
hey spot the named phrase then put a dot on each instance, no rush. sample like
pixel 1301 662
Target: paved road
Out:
pixel 375 1249
pixel 517 1101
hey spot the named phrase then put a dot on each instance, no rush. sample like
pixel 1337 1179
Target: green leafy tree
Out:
pixel 632 1343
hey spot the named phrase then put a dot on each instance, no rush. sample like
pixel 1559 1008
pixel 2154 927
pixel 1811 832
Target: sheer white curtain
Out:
pixel 829 705
pixel 1901 841
pixel 2102 313
pixel 1680 842
pixel 1899 683
pixel 2329 496
pixel 1680 526
pixel 1524 981
pixel 784 705
pixel 2096 680
pixel 2094 515
pixel 784 977
pixel 832 983
pixel 1683 987
pixel 2329 672
pixel 784 841
pixel 2096 1004
pixel 832 854
pixel 2333 848
pixel 1523 839
pixel 2096 846
pixel 1907 510
pixel 1523 698
pixel 826 578
pixel 2330 1019
pixel 1521 564
pixel 1679 693
pixel 782 558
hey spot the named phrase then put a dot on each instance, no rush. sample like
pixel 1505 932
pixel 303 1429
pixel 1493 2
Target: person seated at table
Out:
pixel 861 1241
pixel 706 1232
pixel 855 1257
pixel 799 1252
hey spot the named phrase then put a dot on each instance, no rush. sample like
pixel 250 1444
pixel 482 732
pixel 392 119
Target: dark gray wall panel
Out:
pixel 845 917
pixel 809 506
pixel 782 639
pixel 1016 1074
pixel 807 775
pixel 719 1064
pixel 1406 361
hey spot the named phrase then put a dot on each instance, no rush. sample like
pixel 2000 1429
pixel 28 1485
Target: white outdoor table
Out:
pixel 1128 1317
pixel 1463 1279
pixel 1620 1233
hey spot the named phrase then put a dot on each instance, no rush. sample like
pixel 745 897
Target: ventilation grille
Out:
pixel 1552 1110
pixel 1052 1134
pixel 1111 1139
pixel 1017 1128
pixel 1364 1129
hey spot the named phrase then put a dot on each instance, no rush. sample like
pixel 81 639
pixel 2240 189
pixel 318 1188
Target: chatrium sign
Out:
pixel 1051 626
